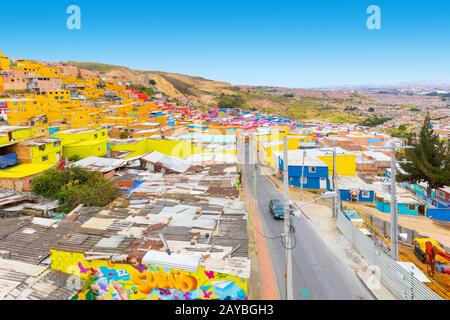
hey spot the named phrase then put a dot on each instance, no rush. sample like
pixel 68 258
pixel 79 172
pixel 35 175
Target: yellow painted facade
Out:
pixel 114 86
pixel 5 63
pixel 84 143
pixel 4 139
pixel 146 284
pixel 37 68
pixel 268 144
pixel 345 164
pixel 15 134
pixel 43 151
pixel 137 147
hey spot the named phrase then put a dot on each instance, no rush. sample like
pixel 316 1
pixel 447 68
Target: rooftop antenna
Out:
pixel 166 246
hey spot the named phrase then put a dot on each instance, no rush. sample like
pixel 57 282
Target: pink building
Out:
pixel 14 80
pixel 42 84
pixel 68 71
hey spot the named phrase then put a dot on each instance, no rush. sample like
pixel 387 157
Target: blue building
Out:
pixel 354 189
pixel 310 172
pixel 407 204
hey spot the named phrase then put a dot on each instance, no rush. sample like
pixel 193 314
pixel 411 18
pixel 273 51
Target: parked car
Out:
pixel 276 208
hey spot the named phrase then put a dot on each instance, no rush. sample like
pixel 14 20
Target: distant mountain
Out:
pixel 338 105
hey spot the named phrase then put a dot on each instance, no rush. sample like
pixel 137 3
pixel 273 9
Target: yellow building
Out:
pixel 37 68
pixel 22 110
pixel 58 95
pixel 39 151
pixel 268 144
pixel 115 86
pixel 136 147
pixel 19 178
pixel 345 164
pixel 5 62
pixel 83 143
pixel 10 134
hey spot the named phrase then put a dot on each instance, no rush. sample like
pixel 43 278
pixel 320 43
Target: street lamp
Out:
pixel 323 196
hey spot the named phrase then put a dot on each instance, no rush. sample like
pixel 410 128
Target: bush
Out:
pixel 231 101
pixel 75 186
pixel 74 158
pixel 49 184
pixel 98 192
pixel 374 121
pixel 124 135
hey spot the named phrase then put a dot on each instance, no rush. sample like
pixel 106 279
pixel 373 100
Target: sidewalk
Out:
pixel 321 217
pixel 262 283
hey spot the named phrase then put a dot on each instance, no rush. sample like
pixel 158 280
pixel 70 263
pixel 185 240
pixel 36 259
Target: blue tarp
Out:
pixel 8 160
pixel 52 130
pixel 136 184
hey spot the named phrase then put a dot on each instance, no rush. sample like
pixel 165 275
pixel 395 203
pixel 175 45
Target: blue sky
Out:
pixel 294 43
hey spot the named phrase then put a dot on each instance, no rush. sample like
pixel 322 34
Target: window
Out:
pixel 44 158
pixel 304 180
pixel 95 136
pixel 440 194
pixel 312 169
pixel 103 134
pixel 412 207
pixel 42 147
pixel 365 194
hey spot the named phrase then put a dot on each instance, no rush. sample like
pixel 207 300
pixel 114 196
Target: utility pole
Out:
pixel 393 192
pixel 335 200
pixel 287 224
pixel 394 218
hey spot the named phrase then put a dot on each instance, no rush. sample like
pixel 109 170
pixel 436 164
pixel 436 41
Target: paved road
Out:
pixel 318 275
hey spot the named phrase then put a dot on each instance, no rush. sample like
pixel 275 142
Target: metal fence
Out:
pixel 401 282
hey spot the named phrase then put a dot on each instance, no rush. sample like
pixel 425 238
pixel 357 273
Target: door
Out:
pixel 323 183
pixel 58 156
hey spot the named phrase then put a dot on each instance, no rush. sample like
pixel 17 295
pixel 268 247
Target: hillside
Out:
pixel 196 89
pixel 297 104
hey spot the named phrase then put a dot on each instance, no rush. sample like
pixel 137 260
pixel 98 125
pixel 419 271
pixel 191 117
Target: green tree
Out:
pixel 75 186
pixel 49 184
pixel 74 158
pixel 124 135
pixel 231 101
pixel 374 121
pixel 96 192
pixel 429 159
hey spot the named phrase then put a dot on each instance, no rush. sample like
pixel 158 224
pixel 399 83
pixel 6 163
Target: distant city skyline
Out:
pixel 287 43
